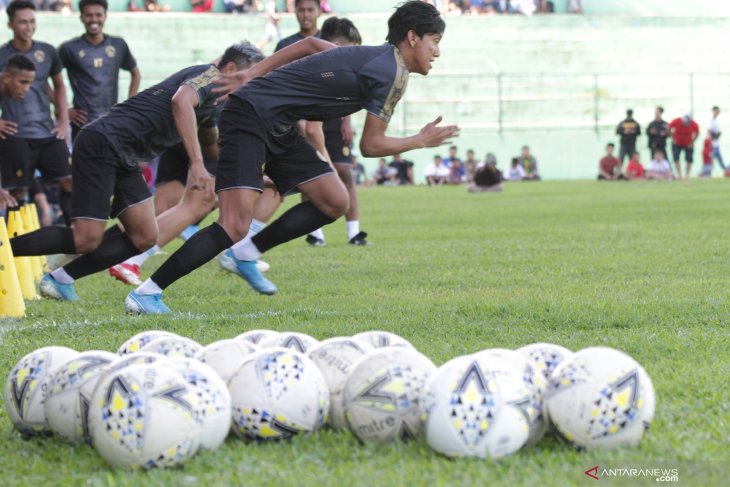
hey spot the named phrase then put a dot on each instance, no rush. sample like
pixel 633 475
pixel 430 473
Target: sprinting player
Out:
pixel 105 158
pixel 334 137
pixel 92 62
pixel 258 125
pixel 31 139
pixel 15 82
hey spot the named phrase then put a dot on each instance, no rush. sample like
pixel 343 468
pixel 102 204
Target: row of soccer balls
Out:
pixel 167 395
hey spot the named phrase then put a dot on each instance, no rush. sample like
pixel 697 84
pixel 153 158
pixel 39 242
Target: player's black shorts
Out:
pixel 248 149
pixel 688 152
pixel 339 152
pixel 19 158
pixel 174 164
pixel 103 185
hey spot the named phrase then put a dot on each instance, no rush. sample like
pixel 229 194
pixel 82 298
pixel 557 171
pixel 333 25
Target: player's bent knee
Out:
pixel 144 241
pixel 85 243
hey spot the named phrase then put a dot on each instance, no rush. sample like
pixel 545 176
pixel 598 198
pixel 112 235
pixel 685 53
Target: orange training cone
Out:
pixel 22 264
pixel 36 225
pixel 35 263
pixel 11 298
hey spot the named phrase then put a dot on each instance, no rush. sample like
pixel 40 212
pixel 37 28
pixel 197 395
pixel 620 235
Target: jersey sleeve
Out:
pixel 203 85
pixel 384 80
pixel 56 65
pixel 64 55
pixel 128 61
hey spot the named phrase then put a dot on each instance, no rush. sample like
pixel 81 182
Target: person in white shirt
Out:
pixel 715 132
pixel 436 173
pixel 659 167
pixel 515 172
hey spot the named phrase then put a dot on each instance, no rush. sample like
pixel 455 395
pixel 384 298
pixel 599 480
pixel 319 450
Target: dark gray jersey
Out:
pixel 330 84
pixel 32 113
pixel 94 72
pixel 143 126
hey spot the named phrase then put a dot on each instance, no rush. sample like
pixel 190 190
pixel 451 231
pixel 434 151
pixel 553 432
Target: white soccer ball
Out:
pixel 301 342
pixel 255 336
pixel 335 357
pixel 600 398
pixel 276 394
pixel 380 339
pixel 382 394
pixel 26 387
pixel 225 356
pixel 69 393
pixel 536 386
pixel 141 339
pixel 471 410
pixel 144 416
pixel 214 400
pixel 545 357
pixel 173 346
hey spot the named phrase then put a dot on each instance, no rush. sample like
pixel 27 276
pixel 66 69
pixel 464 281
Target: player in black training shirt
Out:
pixel 31 139
pixel 105 157
pixel 307 12
pixel 93 61
pixel 258 135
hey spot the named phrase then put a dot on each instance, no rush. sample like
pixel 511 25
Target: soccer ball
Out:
pixel 69 393
pixel 255 336
pixel 382 394
pixel 225 356
pixel 545 357
pixel 26 387
pixel 600 398
pixel 173 346
pixel 145 416
pixel 534 382
pixel 335 358
pixel 276 394
pixel 139 340
pixel 301 342
pixel 380 339
pixel 469 411
pixel 213 398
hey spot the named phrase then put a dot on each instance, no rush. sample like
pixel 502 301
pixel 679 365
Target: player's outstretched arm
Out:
pixel 374 142
pixel 184 102
pixel 303 48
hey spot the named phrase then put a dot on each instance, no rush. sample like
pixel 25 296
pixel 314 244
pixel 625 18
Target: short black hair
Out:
pixel 610 144
pixel 420 17
pixel 85 3
pixel 244 55
pixel 660 108
pixel 629 112
pixel 297 2
pixel 19 62
pixel 437 156
pixel 716 107
pixel 336 28
pixel 19 5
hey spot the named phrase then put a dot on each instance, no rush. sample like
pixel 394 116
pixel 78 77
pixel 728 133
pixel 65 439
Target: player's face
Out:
pixel 307 13
pixel 426 50
pixel 93 18
pixel 17 83
pixel 23 25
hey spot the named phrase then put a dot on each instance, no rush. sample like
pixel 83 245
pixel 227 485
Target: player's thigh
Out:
pixel 168 195
pixel 15 155
pixel 53 159
pixel 94 173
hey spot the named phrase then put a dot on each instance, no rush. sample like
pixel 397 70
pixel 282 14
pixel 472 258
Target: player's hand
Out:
pixel 199 179
pixel 77 116
pixel 61 130
pixel 6 199
pixel 348 133
pixel 7 128
pixel 433 136
pixel 228 83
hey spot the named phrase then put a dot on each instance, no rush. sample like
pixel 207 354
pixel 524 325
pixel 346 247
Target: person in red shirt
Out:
pixel 635 170
pixel 610 167
pixel 707 152
pixel 684 131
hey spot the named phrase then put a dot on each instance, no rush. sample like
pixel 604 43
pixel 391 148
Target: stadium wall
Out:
pixel 557 83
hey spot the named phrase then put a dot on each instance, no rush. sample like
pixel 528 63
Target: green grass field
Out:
pixel 642 267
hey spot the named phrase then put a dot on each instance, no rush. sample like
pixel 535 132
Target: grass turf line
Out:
pixel 639 266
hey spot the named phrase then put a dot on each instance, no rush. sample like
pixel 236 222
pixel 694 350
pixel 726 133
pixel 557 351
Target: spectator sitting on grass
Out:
pixel 529 164
pixel 384 175
pixel 403 170
pixel 609 168
pixel 515 172
pixel 457 173
pixel 470 166
pixel 436 173
pixel 659 168
pixel 449 161
pixel 487 179
pixel 635 170
pixel 359 175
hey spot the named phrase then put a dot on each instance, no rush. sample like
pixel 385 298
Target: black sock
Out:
pixel 296 222
pixel 111 251
pixel 65 203
pixel 44 241
pixel 199 249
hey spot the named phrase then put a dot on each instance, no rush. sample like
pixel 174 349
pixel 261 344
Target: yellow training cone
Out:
pixel 36 225
pixel 35 263
pixel 11 298
pixel 22 264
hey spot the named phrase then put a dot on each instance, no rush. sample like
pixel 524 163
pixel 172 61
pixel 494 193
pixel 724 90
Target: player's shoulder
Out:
pixel 45 46
pixel 116 40
pixel 70 43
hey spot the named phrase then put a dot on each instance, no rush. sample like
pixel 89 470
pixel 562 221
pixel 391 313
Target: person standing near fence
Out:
pixel 629 130
pixel 657 132
pixel 715 132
